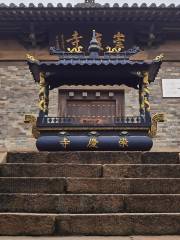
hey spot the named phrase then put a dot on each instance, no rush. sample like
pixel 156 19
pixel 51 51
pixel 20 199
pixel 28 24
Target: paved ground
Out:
pixel 94 238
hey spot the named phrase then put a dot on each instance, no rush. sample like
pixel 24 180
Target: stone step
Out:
pixel 90 185
pixel 32 185
pixel 90 170
pixel 124 185
pixel 90 203
pixel 94 157
pixel 18 224
pixel 50 170
pixel 118 224
pixel 141 171
pixel 89 224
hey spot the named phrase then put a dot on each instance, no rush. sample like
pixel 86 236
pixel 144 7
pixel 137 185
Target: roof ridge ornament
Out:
pixel 90 1
pixel 88 4
pixel 94 47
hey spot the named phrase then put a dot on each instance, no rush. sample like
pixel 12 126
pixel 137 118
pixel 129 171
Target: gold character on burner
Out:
pixel 123 142
pixel 93 142
pixel 65 142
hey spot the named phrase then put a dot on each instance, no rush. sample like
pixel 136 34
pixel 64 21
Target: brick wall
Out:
pixel 19 95
pixel 168 132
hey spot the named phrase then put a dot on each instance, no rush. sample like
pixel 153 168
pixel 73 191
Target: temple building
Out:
pixel 90 120
pixel 99 70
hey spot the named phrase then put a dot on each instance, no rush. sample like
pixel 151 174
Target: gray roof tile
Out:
pixel 88 5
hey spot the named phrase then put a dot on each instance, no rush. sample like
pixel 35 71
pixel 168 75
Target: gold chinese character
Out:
pixel 118 40
pixel 65 142
pixel 123 142
pixel 75 40
pixel 99 39
pixel 93 142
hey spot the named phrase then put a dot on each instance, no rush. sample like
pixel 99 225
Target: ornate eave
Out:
pixel 94 68
pixel 91 12
pixel 34 25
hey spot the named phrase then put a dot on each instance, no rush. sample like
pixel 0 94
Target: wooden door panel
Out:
pixel 103 111
pixel 91 109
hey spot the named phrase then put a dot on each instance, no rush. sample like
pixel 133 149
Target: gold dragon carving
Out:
pixel 75 50
pixel 146 91
pixel 43 94
pixel 113 50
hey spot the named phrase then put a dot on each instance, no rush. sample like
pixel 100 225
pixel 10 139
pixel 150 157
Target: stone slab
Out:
pixel 150 203
pixel 23 224
pixel 90 203
pixel 93 238
pixel 50 170
pixel 86 157
pixel 126 186
pixel 27 157
pixel 91 170
pixel 68 238
pixel 161 157
pixel 63 203
pixel 32 185
pixel 94 157
pixel 141 171
pixel 89 224
pixel 118 224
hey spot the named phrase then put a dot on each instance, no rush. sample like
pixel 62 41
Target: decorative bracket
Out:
pixel 28 118
pixel 158 117
pixel 31 58
pixel 159 58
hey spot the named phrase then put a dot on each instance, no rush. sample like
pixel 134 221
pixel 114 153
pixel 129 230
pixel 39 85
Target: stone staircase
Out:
pixel 90 193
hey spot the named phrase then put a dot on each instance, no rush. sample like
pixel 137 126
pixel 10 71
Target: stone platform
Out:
pixel 90 193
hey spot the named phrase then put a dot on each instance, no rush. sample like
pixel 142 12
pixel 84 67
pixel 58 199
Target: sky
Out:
pixel 64 2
